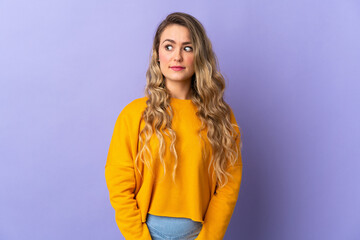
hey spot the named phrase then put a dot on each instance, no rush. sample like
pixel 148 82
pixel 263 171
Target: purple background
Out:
pixel 67 68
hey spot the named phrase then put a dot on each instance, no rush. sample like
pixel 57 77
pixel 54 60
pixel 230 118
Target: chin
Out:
pixel 178 79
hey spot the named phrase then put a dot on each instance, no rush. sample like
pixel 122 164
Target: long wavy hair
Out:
pixel 207 87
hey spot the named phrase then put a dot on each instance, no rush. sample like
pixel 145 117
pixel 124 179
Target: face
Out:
pixel 176 54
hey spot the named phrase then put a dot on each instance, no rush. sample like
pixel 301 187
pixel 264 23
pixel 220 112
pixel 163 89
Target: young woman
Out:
pixel 174 164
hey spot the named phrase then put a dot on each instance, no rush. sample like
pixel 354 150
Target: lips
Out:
pixel 177 68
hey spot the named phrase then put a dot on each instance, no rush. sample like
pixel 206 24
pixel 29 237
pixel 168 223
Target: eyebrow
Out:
pixel 170 40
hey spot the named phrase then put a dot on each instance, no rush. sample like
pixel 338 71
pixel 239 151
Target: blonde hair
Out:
pixel 207 86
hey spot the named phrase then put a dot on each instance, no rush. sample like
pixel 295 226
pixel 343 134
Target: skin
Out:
pixel 175 49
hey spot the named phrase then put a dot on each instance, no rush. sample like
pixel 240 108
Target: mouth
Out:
pixel 177 68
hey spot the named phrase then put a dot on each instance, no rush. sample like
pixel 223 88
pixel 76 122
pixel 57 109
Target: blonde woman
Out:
pixel 174 164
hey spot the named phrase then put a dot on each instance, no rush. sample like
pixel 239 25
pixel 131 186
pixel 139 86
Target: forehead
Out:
pixel 176 32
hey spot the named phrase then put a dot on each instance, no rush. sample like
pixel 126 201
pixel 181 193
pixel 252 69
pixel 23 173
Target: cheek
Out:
pixel 163 57
pixel 190 61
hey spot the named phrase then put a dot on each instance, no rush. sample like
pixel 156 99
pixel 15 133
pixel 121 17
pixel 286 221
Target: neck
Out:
pixel 179 89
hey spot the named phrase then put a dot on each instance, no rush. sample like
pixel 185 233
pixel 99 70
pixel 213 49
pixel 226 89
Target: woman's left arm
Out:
pixel 223 202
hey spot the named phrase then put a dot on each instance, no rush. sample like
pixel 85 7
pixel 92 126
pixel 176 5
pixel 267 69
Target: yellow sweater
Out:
pixel 192 196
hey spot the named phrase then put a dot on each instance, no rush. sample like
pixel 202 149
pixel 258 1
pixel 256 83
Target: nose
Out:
pixel 178 55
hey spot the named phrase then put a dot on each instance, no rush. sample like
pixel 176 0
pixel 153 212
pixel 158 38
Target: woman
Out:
pixel 174 164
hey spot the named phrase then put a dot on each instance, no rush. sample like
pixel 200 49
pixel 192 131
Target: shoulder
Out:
pixel 136 105
pixel 232 115
pixel 133 110
pixel 233 120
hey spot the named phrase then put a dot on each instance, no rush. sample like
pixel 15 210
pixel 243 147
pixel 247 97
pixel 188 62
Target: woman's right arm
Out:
pixel 120 180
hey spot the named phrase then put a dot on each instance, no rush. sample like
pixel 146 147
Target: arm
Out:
pixel 223 202
pixel 120 180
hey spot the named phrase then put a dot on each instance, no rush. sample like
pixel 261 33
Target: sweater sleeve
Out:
pixel 223 202
pixel 120 180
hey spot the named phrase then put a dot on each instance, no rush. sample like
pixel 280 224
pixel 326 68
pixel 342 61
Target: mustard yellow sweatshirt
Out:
pixel 193 195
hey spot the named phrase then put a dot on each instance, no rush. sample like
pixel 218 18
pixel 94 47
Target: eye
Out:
pixel 168 47
pixel 188 49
